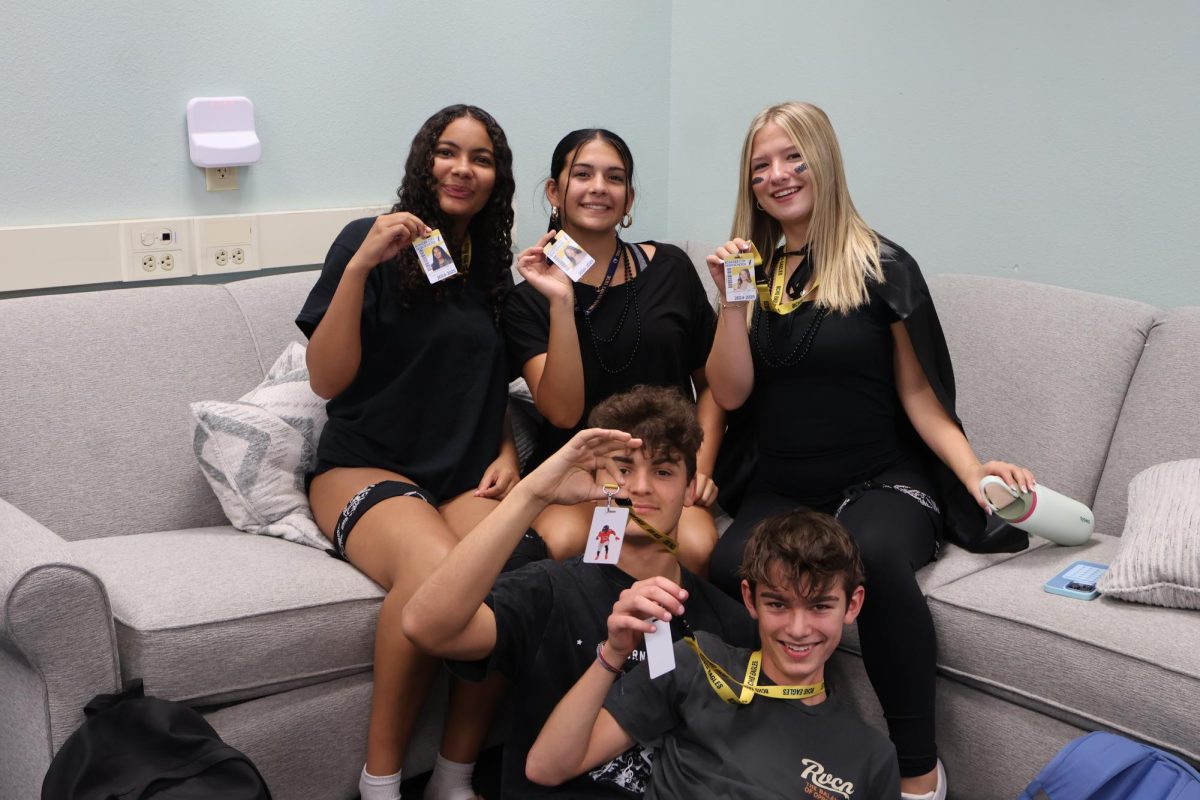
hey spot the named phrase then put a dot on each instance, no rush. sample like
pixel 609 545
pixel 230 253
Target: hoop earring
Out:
pixel 627 220
pixel 759 206
pixel 555 221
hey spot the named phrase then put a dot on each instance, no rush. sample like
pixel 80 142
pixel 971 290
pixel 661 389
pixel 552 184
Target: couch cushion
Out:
pixel 953 563
pixel 1161 417
pixel 1131 668
pixel 95 395
pixel 1040 383
pixel 213 615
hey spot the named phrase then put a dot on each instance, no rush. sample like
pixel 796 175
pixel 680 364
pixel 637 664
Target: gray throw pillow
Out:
pixel 256 451
pixel 1158 561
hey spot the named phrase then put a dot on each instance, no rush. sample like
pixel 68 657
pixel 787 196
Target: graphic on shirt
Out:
pixel 606 536
pixel 821 784
pixel 435 258
pixel 630 770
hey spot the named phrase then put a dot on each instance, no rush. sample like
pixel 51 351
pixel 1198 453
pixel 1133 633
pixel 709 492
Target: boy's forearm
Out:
pixel 570 741
pixel 445 603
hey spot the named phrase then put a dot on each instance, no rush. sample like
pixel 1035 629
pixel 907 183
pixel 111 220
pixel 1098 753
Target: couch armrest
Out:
pixel 58 648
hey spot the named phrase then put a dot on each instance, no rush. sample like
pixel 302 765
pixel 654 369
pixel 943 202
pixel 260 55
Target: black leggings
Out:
pixel 897 536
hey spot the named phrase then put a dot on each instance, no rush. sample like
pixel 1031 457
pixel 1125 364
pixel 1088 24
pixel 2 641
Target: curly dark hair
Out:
pixel 660 416
pixel 490 229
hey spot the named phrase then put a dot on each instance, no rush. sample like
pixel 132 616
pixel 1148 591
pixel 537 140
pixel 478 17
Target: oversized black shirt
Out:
pixel 429 397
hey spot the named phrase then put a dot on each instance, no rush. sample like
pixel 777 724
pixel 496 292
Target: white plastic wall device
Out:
pixel 221 132
pixel 1040 511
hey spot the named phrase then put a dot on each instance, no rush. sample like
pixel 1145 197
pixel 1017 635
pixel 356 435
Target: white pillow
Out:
pixel 1158 561
pixel 255 452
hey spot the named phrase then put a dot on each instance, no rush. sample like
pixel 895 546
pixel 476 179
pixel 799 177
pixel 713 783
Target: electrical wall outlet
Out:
pixel 220 179
pixel 227 244
pixel 155 249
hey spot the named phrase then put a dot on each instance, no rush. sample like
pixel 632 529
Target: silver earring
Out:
pixel 627 220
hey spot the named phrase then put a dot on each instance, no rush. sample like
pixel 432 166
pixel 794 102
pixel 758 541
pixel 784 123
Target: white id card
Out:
pixel 606 536
pixel 435 257
pixel 568 256
pixel 660 650
pixel 739 279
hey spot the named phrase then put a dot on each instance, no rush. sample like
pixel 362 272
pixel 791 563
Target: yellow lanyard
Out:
pixel 721 681
pixel 770 298
pixel 611 489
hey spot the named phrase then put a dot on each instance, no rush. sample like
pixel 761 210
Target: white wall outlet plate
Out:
pixel 226 244
pixel 156 249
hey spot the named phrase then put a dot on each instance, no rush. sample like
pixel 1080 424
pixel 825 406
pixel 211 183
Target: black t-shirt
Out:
pixel 429 397
pixel 549 618
pixel 832 418
pixel 662 320
pixel 707 749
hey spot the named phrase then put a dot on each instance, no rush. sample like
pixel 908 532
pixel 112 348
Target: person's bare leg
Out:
pixel 396 543
pixel 564 529
pixel 697 536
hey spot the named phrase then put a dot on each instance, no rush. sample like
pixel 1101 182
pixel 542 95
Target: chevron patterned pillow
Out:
pixel 256 451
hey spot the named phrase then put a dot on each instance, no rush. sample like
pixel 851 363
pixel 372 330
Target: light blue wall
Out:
pixel 1050 140
pixel 93 96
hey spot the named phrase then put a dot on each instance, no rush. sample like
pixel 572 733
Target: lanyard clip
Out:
pixel 609 490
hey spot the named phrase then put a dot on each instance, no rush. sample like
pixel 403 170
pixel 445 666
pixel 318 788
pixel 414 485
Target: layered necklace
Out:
pixel 760 331
pixel 621 255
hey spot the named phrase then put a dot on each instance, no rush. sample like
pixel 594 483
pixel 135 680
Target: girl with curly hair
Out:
pixel 639 315
pixel 417 448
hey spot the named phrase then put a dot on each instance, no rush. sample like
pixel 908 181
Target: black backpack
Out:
pixel 132 747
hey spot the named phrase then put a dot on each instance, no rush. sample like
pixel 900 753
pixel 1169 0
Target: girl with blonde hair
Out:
pixel 843 373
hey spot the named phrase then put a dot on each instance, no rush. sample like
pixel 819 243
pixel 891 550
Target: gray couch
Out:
pixel 118 563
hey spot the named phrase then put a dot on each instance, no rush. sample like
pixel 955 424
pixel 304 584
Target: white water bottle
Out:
pixel 1040 511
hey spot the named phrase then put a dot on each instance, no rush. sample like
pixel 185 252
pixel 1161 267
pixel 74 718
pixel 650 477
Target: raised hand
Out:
pixel 656 599
pixel 576 472
pixel 550 281
pixel 389 234
pixel 732 249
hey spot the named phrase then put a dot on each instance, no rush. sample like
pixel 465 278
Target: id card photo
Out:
pixel 435 257
pixel 739 279
pixel 565 253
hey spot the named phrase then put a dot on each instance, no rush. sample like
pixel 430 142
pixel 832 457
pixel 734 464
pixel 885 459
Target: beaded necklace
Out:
pixel 630 300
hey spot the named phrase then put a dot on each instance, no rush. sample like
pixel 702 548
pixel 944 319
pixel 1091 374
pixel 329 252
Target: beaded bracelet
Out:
pixel 738 304
pixel 607 666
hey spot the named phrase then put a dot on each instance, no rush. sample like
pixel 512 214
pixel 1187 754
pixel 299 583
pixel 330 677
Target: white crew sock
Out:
pixel 450 781
pixel 378 787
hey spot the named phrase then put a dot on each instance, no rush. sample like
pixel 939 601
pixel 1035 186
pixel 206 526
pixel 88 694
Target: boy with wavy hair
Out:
pixel 728 723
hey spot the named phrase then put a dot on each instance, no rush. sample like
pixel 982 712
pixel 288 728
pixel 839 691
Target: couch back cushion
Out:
pixel 1041 373
pixel 1160 420
pixel 95 389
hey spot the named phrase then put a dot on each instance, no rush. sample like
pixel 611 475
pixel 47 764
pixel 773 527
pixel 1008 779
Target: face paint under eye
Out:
pixel 756 181
pixel 801 168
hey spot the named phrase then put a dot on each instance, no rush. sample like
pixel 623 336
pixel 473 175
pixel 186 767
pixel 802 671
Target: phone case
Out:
pixel 1078 580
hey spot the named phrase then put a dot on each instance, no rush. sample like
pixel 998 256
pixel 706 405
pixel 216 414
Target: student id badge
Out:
pixel 739 276
pixel 660 649
pixel 567 255
pixel 606 536
pixel 435 257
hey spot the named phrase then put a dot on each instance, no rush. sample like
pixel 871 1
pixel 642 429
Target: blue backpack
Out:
pixel 1104 766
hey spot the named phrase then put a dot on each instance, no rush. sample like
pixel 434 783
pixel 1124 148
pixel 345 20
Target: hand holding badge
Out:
pixel 435 257
pixel 568 256
pixel 739 276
